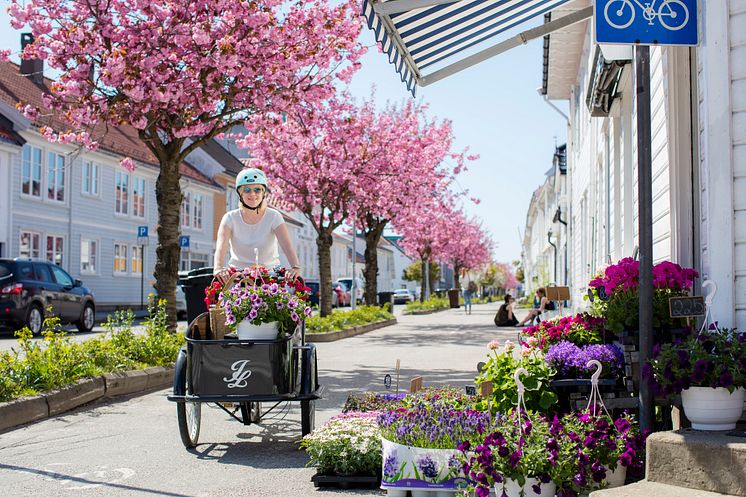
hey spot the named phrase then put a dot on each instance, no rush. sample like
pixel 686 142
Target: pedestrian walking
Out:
pixel 469 292
pixel 253 231
pixel 505 315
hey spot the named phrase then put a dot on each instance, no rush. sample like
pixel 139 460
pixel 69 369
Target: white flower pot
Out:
pixel 617 477
pixel 513 489
pixel 712 409
pixel 265 331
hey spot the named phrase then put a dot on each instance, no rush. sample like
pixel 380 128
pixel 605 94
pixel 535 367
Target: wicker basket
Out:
pixel 218 328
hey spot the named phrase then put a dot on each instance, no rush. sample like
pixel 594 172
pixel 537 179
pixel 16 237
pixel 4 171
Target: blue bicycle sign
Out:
pixel 651 22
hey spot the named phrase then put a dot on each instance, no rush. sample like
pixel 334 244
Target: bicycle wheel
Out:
pixel 673 15
pixel 621 17
pixel 189 415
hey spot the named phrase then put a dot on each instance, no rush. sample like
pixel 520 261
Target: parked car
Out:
pixel 403 296
pixel 315 297
pixel 359 287
pixel 28 287
pixel 344 297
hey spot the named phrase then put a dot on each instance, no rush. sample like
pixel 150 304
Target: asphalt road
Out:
pixel 131 447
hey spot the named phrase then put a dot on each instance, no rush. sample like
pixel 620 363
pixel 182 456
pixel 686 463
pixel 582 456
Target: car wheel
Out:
pixel 35 319
pixel 87 319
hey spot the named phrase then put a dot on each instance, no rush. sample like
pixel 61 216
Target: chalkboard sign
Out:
pixel 686 307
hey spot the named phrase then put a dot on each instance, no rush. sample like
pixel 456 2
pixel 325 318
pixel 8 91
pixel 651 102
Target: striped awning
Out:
pixel 417 34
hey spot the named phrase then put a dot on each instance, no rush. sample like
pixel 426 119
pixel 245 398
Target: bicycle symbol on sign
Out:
pixel 672 14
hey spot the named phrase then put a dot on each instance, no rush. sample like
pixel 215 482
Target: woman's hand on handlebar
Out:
pixel 221 274
pixel 293 274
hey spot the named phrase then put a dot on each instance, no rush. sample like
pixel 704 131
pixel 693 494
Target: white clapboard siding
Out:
pixel 737 34
pixel 660 155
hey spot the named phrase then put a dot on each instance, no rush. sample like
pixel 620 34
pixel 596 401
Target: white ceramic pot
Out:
pixel 712 409
pixel 513 489
pixel 617 477
pixel 265 331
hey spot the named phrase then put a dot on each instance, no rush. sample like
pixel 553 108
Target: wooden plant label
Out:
pixel 415 384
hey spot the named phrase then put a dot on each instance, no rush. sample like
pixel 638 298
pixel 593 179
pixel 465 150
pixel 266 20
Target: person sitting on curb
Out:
pixel 544 305
pixel 505 316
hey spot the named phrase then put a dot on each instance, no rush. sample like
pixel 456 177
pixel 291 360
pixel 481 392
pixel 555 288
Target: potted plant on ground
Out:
pixel 261 305
pixel 709 371
pixel 604 449
pixel 348 444
pixel 420 446
pixel 580 329
pixel 518 456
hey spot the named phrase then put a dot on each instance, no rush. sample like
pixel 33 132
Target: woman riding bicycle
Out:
pixel 253 231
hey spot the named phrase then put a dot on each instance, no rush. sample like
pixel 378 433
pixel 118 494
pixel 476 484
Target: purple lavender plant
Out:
pixel 571 361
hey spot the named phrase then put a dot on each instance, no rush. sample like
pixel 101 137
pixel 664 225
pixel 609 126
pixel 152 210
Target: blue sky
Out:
pixel 495 111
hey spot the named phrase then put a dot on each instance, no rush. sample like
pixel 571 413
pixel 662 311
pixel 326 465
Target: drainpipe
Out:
pixel 558 218
pixel 540 91
pixel 549 239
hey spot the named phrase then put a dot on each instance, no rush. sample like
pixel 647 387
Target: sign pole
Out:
pixel 142 277
pixel 645 218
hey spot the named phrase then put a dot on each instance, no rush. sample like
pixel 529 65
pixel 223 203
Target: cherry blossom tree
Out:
pixel 319 160
pixel 411 166
pixel 468 247
pixel 182 73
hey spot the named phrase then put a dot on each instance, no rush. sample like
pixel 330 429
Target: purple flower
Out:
pixel 280 306
pixel 252 314
pixel 294 316
pixel 390 466
pixel 307 311
pixel 536 488
pixel 428 467
pixel 515 458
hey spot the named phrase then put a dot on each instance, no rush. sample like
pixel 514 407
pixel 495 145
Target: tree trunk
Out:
pixel 456 276
pixel 168 196
pixel 424 279
pixel 324 243
pixel 373 233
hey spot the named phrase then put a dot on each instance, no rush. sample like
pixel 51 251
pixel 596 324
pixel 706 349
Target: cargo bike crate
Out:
pixel 244 373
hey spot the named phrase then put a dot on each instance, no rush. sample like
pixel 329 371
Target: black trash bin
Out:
pixel 386 297
pixel 194 283
pixel 453 298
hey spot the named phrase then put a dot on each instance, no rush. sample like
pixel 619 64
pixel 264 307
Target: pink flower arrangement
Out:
pixel 625 275
pixel 579 329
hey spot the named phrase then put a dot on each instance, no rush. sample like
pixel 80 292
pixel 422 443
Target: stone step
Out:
pixel 653 489
pixel 707 461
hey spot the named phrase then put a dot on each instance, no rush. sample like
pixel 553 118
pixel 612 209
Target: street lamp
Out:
pixel 549 239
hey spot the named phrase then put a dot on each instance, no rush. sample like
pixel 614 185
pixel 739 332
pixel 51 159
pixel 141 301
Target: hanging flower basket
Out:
pixel 712 409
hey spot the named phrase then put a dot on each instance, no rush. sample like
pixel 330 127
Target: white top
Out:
pixel 246 237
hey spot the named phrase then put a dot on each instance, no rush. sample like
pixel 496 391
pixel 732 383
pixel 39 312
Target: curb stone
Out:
pixel 24 410
pixel 45 405
pixel 332 336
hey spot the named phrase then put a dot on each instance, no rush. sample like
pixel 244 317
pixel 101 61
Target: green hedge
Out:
pixel 432 304
pixel 340 320
pixel 56 361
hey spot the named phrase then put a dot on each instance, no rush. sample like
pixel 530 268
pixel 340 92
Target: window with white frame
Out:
pixel 30 246
pixel 88 255
pixel 90 178
pixel 186 209
pixel 120 258
pixel 197 211
pixel 55 177
pixel 31 171
pixel 55 246
pixel 138 196
pixel 121 192
pixel 136 259
pixel 231 199
pixel 193 260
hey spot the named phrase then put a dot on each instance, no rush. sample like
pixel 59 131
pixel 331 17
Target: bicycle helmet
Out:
pixel 251 176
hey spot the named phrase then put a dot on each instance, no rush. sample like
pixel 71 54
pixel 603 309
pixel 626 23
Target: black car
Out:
pixel 28 287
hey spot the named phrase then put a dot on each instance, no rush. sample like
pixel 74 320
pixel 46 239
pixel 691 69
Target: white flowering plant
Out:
pixel 264 297
pixel 348 444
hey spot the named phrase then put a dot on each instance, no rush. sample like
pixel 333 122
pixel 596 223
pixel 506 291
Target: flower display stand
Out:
pixel 423 472
pixel 345 481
